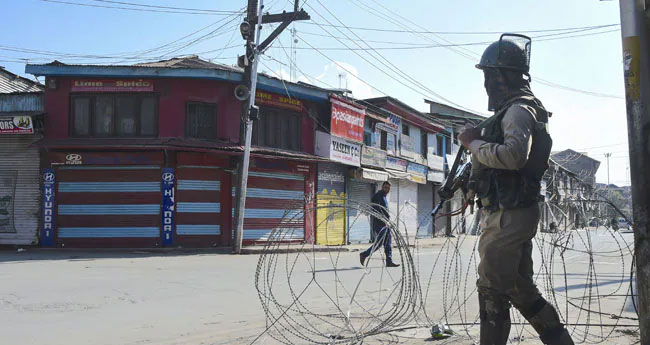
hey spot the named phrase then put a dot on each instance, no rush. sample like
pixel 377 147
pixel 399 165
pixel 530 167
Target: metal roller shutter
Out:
pixel 393 199
pixel 408 206
pixel 359 223
pixel 425 204
pixel 330 219
pixel 274 201
pixel 19 190
pixel 198 206
pixel 108 206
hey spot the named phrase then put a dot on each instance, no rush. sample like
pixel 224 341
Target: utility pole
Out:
pixel 636 55
pixel 450 206
pixel 607 190
pixel 246 92
pixel 294 56
pixel 607 155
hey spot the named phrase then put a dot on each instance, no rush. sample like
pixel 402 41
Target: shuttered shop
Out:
pixel 408 208
pixel 425 204
pixel 109 205
pixel 200 185
pixel 198 206
pixel 19 190
pixel 330 200
pixel 360 193
pixel 275 204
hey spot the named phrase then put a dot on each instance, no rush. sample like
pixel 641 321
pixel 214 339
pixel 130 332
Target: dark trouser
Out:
pixel 382 237
pixel 506 276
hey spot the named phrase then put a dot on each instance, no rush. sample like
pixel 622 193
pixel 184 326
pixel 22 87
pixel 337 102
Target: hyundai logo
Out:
pixel 73 157
pixel 48 177
pixel 168 177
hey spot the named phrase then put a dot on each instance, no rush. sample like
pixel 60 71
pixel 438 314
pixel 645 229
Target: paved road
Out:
pixel 75 298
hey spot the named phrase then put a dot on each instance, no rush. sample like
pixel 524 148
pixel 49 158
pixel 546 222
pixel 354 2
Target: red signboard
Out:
pixel 278 101
pixel 347 119
pixel 16 125
pixel 112 85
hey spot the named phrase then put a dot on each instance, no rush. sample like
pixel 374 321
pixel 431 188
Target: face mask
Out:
pixel 495 87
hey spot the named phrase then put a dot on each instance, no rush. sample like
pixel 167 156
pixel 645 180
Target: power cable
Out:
pixel 416 46
pixel 200 12
pixel 388 64
pixel 458 32
pixel 425 46
pixel 167 7
pixel 548 83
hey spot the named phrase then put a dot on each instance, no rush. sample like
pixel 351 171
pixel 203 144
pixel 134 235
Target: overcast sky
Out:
pixel 409 65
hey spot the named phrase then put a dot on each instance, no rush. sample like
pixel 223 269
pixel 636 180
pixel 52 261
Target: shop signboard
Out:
pixel 372 156
pixel 436 176
pixel 347 119
pixel 417 172
pixel 168 179
pixel 278 101
pixel 16 125
pixel 396 164
pixel 112 85
pixel 337 149
pixel 47 225
pixel 407 149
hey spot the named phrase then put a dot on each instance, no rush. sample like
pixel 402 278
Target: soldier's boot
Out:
pixel 544 318
pixel 495 319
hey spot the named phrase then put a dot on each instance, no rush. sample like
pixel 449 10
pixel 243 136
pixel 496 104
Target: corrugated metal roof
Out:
pixel 12 83
pixel 188 62
pixel 182 67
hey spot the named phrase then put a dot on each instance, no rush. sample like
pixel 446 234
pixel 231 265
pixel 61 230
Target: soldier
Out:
pixel 510 152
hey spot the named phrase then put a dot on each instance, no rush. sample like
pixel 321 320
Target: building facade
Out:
pixel 147 156
pixel 21 124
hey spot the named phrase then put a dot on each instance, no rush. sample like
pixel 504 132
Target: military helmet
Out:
pixel 511 51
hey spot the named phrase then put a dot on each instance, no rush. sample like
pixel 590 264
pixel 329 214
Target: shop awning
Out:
pixel 397 174
pixel 375 175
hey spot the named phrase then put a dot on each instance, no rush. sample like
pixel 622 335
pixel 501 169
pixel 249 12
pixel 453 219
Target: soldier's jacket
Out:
pixel 518 124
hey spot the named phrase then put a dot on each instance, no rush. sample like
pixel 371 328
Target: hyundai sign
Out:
pixel 168 179
pixel 47 227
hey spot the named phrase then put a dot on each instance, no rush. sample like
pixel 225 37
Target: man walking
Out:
pixel 380 229
pixel 510 153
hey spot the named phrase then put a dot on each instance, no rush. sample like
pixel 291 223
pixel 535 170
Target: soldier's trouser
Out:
pixel 506 276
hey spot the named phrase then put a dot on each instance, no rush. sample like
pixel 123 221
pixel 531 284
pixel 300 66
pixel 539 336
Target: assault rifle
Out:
pixel 458 178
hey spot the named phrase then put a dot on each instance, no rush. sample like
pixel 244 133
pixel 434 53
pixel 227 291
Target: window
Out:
pixel 103 116
pixel 201 120
pixel 125 116
pixel 384 140
pixel 424 143
pixel 405 129
pixel 279 129
pixel 367 132
pixel 390 144
pixel 448 142
pixel 439 142
pixel 114 115
pixel 81 116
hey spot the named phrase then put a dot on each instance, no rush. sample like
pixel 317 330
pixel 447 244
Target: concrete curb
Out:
pixel 249 250
pixel 288 250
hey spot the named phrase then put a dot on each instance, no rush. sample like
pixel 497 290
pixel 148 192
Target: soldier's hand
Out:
pixel 468 135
